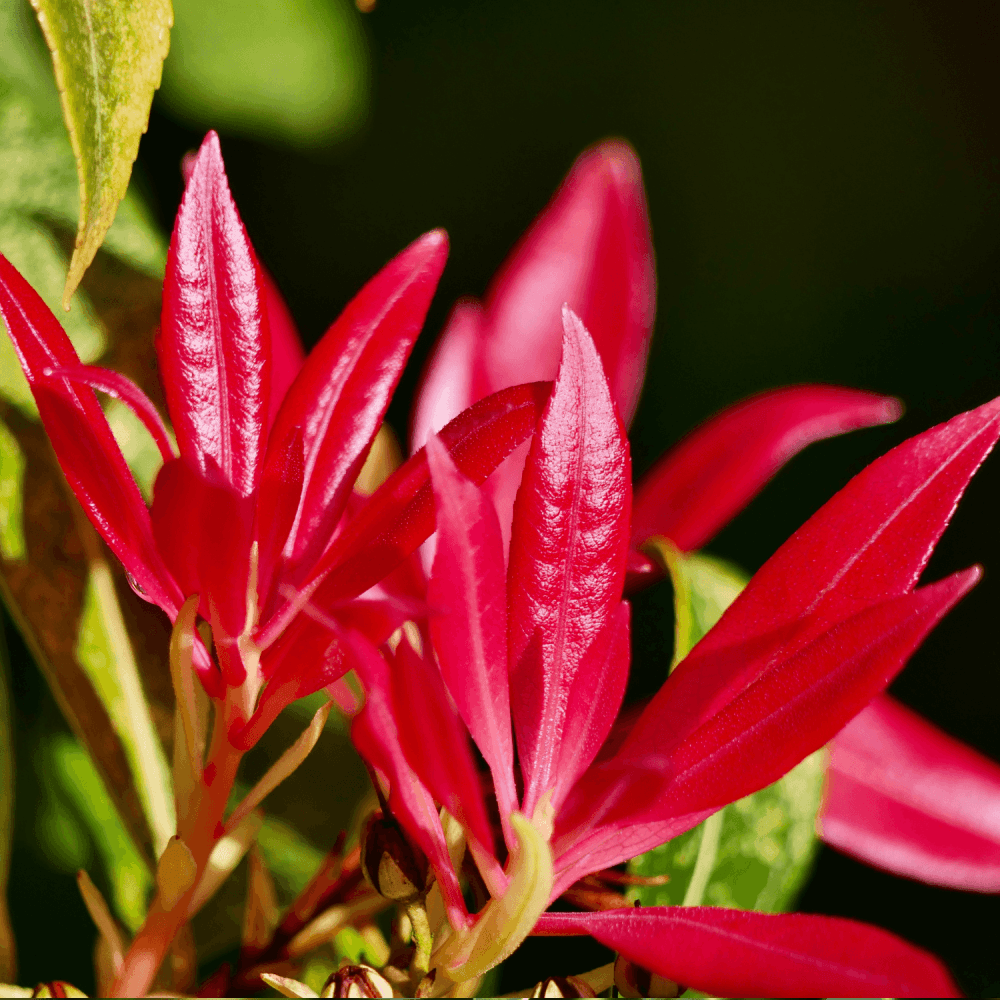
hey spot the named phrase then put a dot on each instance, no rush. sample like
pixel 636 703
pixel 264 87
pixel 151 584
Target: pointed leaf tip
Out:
pixel 107 59
pixel 713 473
pixel 568 551
pixel 214 346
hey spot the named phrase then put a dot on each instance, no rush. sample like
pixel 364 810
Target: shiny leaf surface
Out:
pixel 774 955
pixel 567 554
pixel 709 477
pixel 905 797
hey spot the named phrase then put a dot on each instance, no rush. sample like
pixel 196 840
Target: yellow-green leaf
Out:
pixel 108 57
pixel 703 588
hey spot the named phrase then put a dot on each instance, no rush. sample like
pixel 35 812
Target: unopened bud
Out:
pixel 563 986
pixel 357 981
pixel 57 989
pixel 634 981
pixel 395 868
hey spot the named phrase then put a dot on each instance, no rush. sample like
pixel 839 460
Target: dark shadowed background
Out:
pixel 824 188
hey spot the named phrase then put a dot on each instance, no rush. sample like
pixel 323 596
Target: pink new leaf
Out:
pixel 399 515
pixel 590 248
pixel 376 736
pixel 707 479
pixel 287 353
pixel 468 621
pixel 436 744
pixel 567 556
pixel 82 440
pixel 338 400
pixel 737 953
pixel 119 387
pixel 868 543
pixel 214 344
pixel 903 796
pixel 798 704
pixel 594 700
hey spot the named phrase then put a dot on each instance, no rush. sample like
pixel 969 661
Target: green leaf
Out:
pixel 12 464
pixel 78 784
pixel 45 591
pixel 105 652
pixel 108 58
pixel 283 70
pixel 755 853
pixel 704 587
pixel 8 957
pixel 765 847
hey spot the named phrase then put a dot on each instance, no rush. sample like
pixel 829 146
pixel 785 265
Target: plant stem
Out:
pixel 708 849
pixel 153 941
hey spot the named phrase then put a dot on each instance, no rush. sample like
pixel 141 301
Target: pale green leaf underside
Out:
pixel 108 56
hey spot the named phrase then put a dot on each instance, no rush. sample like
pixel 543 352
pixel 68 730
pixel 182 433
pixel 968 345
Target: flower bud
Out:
pixel 395 868
pixel 357 981
pixel 634 981
pixel 56 989
pixel 563 986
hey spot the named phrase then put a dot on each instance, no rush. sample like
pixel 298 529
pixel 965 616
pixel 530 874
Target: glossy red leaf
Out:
pixel 581 851
pixel 800 703
pixel 591 248
pixel 593 703
pixel 399 515
pixel 119 387
pixel 203 528
pixel 905 797
pixel 307 658
pixel 701 484
pixel 376 736
pixel 738 953
pixel 82 440
pixel 214 345
pixel 435 742
pixel 338 400
pixel 468 621
pixel 449 383
pixel 287 354
pixel 868 543
pixel 567 555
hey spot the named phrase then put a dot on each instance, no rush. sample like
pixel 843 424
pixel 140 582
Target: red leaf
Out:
pixel 736 953
pixel 591 249
pixel 594 700
pixel 701 484
pixel 399 515
pixel 449 385
pixel 338 400
pixel 868 543
pixel 435 741
pixel 468 622
pixel 287 353
pixel 82 440
pixel 376 737
pixel 905 797
pixel 567 556
pixel 214 346
pixel 795 706
pixel 119 387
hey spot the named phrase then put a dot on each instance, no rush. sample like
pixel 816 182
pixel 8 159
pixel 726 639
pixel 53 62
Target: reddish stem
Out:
pixel 151 944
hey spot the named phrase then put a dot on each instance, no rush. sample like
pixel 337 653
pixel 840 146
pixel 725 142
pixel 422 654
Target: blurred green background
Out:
pixel 824 188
